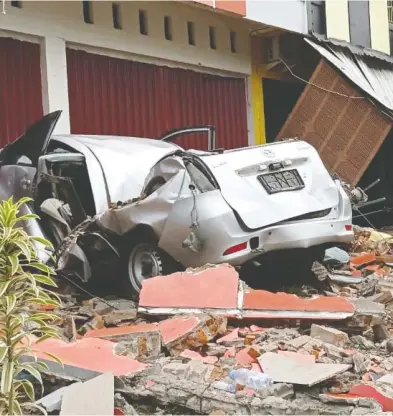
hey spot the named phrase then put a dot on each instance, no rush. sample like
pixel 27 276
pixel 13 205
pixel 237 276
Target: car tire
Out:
pixel 140 262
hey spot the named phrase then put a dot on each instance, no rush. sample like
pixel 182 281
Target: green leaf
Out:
pixel 21 201
pixel 46 280
pixel 3 353
pixel 10 302
pixel 29 389
pixel 7 375
pixel 31 370
pixel 24 248
pixel 43 241
pixel 4 287
pixel 43 267
pixel 55 358
pixel 16 410
pixel 14 264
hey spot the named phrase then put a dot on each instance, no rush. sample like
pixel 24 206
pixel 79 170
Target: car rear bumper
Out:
pixel 304 234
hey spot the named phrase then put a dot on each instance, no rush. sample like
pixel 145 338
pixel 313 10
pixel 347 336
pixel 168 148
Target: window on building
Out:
pixel 143 29
pixel 191 33
pixel 17 4
pixel 168 28
pixel 212 37
pixel 87 11
pixel 233 41
pixel 116 16
pixel 316 14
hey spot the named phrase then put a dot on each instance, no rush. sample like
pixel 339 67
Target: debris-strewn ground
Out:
pixel 327 351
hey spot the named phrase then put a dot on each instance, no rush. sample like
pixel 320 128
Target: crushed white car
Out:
pixel 152 207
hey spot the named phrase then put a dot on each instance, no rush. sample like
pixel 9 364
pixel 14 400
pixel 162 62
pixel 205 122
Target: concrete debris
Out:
pixel 328 348
pixel 329 335
pixel 294 371
pixel 93 397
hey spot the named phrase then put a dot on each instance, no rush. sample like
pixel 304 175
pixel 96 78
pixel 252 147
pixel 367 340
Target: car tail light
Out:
pixel 348 227
pixel 235 249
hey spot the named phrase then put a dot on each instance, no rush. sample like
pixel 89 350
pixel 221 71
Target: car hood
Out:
pixel 237 175
pixel 125 162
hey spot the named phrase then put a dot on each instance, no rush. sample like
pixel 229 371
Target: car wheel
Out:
pixel 143 261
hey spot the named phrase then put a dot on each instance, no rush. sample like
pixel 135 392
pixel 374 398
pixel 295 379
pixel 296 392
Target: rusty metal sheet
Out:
pixel 20 92
pixel 346 131
pixel 121 97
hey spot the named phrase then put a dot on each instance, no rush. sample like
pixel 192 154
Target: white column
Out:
pixel 54 81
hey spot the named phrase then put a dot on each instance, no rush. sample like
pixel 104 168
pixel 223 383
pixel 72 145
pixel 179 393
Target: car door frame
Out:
pixel 172 135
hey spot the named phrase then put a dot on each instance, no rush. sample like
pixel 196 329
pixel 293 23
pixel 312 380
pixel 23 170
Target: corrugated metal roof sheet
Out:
pixel 370 73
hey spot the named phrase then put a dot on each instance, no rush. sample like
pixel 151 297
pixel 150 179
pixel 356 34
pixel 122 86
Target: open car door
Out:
pixel 19 159
pixel 171 136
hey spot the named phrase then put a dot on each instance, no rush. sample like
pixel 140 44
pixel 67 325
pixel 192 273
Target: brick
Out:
pixel 329 335
pixel 209 288
pixel 244 358
pixel 93 354
pixel 232 339
pixel 183 333
pixel 363 259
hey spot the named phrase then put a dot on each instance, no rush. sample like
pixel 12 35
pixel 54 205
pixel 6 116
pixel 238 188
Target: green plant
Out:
pixel 21 299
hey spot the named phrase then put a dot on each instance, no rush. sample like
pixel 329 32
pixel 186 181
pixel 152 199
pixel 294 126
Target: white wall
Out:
pixel 285 14
pixel 64 19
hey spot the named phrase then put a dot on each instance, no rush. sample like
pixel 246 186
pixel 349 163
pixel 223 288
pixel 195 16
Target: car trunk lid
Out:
pixel 269 184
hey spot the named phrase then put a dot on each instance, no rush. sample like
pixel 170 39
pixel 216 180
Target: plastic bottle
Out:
pixel 251 379
pixel 222 385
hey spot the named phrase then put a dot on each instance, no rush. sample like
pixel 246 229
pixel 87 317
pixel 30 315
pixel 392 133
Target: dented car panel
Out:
pixel 96 193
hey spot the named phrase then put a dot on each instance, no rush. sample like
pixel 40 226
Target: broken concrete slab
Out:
pixel 367 313
pixel 135 341
pixel 201 291
pixel 214 288
pixel 365 390
pixel 298 356
pixel 93 354
pixel 93 397
pixel 287 370
pixel 298 342
pixel 52 401
pixel 329 335
pixel 186 332
pixel 262 304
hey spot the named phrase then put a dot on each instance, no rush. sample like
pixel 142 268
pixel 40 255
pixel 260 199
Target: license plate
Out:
pixel 288 180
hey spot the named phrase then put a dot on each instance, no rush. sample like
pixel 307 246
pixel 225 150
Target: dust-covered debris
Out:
pixel 183 343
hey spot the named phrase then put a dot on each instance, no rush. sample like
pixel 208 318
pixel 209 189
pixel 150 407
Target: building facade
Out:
pixel 142 68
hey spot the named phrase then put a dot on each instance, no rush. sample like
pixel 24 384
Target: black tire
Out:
pixel 142 261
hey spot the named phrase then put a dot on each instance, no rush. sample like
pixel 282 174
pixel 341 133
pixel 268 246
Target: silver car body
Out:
pixel 212 206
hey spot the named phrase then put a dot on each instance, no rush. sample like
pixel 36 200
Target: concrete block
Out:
pixel 329 335
pixel 93 397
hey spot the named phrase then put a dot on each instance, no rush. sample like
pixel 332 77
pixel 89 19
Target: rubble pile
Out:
pixel 175 352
